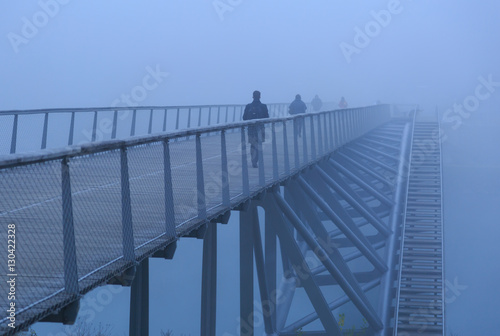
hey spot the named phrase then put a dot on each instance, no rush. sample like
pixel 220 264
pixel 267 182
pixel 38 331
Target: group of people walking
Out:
pixel 257 110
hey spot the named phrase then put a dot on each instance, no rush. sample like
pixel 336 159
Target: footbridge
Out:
pixel 349 212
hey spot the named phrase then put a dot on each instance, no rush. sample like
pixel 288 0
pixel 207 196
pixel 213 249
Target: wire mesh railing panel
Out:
pixel 28 130
pixel 6 122
pixel 233 145
pixel 267 152
pixel 147 191
pixel 212 169
pixel 183 163
pixel 142 121
pixel 158 120
pixel 84 123
pixel 123 123
pixel 30 218
pixel 97 209
pixel 103 127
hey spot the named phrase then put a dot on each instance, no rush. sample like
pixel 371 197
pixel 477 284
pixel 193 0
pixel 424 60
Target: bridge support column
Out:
pixel 246 272
pixel 139 301
pixel 209 282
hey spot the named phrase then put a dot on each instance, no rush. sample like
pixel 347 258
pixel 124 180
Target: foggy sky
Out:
pixel 90 53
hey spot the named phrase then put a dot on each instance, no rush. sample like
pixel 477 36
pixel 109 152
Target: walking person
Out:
pixel 316 103
pixel 255 110
pixel 298 107
pixel 343 103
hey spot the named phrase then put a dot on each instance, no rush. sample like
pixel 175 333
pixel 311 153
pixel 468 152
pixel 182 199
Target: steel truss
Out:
pixel 344 211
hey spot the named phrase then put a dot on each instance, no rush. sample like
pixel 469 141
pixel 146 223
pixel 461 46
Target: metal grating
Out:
pixel 420 305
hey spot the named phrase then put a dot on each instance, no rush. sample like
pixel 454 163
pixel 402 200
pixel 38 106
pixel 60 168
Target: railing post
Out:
pixel 94 127
pixel 225 174
pixel 71 129
pixel 209 115
pixel 115 122
pixel 44 134
pixel 127 229
pixel 169 194
pixel 70 262
pixel 132 127
pixel 304 139
pixel 296 142
pixel 227 114
pixel 244 164
pixel 332 131
pixel 13 141
pixel 189 118
pixel 234 113
pixel 313 139
pixel 150 126
pixel 285 147
pixel 325 130
pixel 199 117
pixel 177 119
pixel 165 120
pixel 200 181
pixel 275 152
pixel 262 172
pixel 320 135
pixel 218 115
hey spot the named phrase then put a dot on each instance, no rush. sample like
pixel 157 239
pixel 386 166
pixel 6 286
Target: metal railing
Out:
pixel 65 127
pixel 121 200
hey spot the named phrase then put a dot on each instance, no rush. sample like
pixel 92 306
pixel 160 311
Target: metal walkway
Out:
pixel 334 198
pixel 420 308
pixel 93 214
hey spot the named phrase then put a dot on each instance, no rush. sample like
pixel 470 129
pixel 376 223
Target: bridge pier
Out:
pixel 139 301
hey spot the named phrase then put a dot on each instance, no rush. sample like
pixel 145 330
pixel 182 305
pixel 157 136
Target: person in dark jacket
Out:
pixel 316 103
pixel 298 107
pixel 255 110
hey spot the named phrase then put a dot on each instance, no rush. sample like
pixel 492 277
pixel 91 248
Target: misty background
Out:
pixel 96 54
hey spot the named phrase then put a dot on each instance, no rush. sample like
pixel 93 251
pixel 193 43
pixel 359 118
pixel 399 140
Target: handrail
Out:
pixel 108 126
pixel 101 146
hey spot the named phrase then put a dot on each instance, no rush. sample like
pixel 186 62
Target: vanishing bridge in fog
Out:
pixel 350 212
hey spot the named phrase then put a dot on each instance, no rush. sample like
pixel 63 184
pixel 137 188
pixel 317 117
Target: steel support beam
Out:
pixel 347 282
pixel 335 182
pixel 139 301
pixel 209 282
pixel 276 202
pixel 393 241
pixel 246 274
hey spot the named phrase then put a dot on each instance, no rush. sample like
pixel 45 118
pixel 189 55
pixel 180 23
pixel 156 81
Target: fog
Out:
pixel 439 54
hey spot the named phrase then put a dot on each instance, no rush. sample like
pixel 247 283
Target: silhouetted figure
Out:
pixel 342 103
pixel 316 103
pixel 298 107
pixel 255 110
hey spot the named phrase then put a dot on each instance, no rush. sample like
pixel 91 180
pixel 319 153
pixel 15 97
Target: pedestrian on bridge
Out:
pixel 316 103
pixel 298 107
pixel 343 103
pixel 255 110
